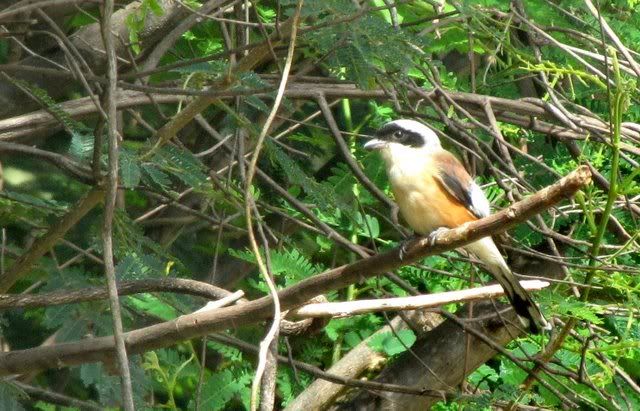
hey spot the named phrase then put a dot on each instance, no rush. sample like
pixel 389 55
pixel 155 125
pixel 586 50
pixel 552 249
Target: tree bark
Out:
pixel 440 362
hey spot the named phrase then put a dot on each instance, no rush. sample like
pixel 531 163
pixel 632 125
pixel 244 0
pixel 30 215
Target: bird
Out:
pixel 434 192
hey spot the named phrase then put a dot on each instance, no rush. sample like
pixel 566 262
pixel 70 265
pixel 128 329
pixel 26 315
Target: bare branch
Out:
pixel 170 285
pixel 111 192
pixel 24 263
pixel 193 325
pixel 350 308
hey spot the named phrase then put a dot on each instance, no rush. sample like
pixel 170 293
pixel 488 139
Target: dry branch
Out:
pixel 43 244
pixel 88 47
pixel 111 192
pixel 194 325
pixel 27 125
pixel 37 393
pixel 350 308
pixel 528 113
pixel 172 285
pixel 336 379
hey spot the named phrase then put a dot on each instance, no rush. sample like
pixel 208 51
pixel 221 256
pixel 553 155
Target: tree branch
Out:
pixel 171 285
pixel 111 192
pixel 43 244
pixel 350 308
pixel 194 325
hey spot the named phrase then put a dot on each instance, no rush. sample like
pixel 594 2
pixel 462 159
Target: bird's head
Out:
pixel 403 136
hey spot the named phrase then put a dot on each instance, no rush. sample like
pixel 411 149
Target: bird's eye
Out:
pixel 397 135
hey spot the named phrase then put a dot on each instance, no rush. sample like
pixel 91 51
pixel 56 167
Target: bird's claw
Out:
pixel 431 238
pixel 404 246
pixel 403 250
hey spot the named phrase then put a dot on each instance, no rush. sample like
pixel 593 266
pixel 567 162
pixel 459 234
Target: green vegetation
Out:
pixel 524 93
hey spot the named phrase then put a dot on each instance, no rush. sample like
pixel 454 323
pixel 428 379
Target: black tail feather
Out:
pixel 526 308
pixel 520 299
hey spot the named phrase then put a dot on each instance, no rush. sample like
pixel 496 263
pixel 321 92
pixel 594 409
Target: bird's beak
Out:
pixel 374 144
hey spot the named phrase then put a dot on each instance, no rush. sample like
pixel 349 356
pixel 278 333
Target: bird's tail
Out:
pixel 520 299
pixel 527 310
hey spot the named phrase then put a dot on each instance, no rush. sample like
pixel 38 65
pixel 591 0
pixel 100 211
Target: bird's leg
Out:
pixel 431 238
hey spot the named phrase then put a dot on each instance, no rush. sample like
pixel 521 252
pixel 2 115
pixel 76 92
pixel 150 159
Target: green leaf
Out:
pixel 131 242
pixel 324 196
pixel 182 164
pixel 580 310
pixel 229 353
pixel 81 146
pixel 136 21
pixel 220 388
pixel 9 397
pixel 289 262
pixel 207 67
pixel 388 343
pixel 135 267
pixel 90 373
pixel 368 226
pixel 154 6
pixel 108 386
pixel 130 172
pixel 155 177
pixel 152 306
pixel 482 376
pixel 74 127
pixel 21 207
pixel 352 338
pixel 257 103
pixel 135 24
pixel 42 203
pixel 512 374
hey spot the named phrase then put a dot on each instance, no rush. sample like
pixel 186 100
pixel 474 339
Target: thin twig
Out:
pixel 249 203
pixel 110 204
pixel 612 35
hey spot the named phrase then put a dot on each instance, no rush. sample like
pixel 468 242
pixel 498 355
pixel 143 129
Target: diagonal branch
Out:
pixel 346 155
pixel 612 35
pixel 43 244
pixel 258 56
pixel 194 325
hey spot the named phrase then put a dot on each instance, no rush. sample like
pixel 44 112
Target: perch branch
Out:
pixel 194 325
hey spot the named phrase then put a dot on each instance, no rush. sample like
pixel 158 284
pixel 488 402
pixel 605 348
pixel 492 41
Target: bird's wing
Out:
pixel 455 179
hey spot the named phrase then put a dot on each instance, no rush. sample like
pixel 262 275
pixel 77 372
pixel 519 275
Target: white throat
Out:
pixel 405 163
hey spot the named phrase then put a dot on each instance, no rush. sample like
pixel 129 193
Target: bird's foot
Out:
pixel 404 246
pixel 431 238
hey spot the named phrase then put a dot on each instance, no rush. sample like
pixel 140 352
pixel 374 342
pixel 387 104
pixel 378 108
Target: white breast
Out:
pixel 406 168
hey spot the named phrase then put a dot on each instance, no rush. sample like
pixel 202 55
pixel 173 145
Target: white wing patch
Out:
pixel 479 202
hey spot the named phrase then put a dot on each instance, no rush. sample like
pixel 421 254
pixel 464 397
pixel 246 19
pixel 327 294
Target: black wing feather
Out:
pixel 458 190
pixel 455 179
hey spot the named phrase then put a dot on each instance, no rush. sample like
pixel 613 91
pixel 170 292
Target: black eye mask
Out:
pixel 394 133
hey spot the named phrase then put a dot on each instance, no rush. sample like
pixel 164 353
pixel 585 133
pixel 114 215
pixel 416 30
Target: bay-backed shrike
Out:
pixel 434 191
